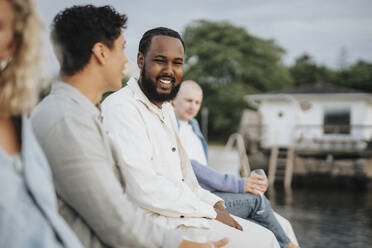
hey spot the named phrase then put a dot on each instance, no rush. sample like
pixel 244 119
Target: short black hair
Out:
pixel 75 30
pixel 145 41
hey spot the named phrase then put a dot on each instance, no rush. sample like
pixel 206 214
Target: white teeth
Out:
pixel 165 81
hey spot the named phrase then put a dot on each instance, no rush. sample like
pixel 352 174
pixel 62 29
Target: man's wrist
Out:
pixel 242 182
pixel 220 205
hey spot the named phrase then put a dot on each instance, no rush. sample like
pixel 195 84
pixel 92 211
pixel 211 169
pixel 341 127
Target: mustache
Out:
pixel 171 78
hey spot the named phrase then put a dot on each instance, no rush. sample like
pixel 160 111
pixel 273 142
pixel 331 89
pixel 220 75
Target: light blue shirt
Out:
pixel 28 207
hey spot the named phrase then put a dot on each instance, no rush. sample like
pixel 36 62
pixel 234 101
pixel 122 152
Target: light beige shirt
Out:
pixel 192 144
pixel 157 171
pixel 86 175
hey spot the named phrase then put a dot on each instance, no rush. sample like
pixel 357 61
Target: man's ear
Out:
pixel 140 60
pixel 100 53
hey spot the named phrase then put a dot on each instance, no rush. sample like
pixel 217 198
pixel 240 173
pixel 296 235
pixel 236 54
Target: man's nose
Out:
pixel 193 105
pixel 168 69
pixel 125 59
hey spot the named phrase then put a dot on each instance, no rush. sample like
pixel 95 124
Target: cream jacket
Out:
pixel 156 169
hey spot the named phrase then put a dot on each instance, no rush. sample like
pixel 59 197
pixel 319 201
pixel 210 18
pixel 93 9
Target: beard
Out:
pixel 149 88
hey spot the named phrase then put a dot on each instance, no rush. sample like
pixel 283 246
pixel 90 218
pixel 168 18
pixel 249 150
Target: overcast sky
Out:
pixel 320 28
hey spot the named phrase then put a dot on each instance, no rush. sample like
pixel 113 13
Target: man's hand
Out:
pixel 255 185
pixel 217 244
pixel 224 216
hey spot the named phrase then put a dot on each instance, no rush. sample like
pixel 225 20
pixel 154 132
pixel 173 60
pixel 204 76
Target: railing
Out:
pixel 244 169
pixel 315 137
pixel 332 137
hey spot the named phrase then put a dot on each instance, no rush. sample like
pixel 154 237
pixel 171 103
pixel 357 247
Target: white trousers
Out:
pixel 287 227
pixel 252 236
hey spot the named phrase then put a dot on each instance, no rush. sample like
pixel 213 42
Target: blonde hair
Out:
pixel 20 80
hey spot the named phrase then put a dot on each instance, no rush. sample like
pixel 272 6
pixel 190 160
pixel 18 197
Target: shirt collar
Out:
pixel 184 123
pixel 68 91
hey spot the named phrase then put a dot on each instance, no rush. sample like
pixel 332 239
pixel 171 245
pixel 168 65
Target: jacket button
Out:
pixel 173 149
pixel 182 216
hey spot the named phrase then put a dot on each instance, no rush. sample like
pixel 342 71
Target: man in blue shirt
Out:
pixel 241 195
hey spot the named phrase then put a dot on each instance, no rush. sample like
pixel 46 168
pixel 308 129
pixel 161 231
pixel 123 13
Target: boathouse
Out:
pixel 318 119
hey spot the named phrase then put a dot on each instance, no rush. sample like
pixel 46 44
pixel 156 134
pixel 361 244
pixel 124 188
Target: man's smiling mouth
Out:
pixel 165 81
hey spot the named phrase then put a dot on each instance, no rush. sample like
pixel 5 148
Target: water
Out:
pixel 327 217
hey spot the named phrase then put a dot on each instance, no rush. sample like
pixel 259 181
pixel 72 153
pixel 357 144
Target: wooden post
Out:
pixel 289 168
pixel 272 164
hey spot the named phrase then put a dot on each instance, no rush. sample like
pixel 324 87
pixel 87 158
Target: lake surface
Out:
pixel 327 217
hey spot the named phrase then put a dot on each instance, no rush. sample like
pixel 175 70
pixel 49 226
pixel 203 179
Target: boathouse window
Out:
pixel 336 121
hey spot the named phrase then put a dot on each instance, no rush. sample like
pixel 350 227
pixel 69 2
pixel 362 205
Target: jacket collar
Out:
pixel 70 92
pixel 140 96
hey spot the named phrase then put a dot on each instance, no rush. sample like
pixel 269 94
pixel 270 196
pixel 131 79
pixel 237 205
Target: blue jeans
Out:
pixel 256 208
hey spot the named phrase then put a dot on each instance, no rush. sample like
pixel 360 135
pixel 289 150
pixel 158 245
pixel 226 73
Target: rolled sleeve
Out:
pixel 208 197
pixel 213 180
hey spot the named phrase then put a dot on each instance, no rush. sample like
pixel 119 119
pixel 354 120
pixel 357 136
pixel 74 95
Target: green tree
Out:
pixel 229 63
pixel 357 76
pixel 306 71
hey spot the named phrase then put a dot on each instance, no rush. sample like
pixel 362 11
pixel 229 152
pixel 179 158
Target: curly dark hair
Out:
pixel 145 41
pixel 75 30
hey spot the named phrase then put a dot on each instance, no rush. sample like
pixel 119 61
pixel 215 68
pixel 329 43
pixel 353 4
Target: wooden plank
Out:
pixel 289 168
pixel 272 164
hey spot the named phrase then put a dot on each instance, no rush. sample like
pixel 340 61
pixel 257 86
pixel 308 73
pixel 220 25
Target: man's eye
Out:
pixel 159 60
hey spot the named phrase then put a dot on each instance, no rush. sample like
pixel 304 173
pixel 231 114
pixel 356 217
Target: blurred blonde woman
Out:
pixel 28 208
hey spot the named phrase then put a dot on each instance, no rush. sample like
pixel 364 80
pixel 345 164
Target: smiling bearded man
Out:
pixel 157 171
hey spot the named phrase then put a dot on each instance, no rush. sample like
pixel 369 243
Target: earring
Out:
pixel 5 62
